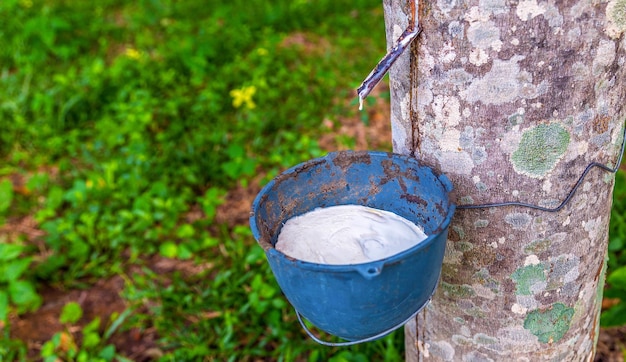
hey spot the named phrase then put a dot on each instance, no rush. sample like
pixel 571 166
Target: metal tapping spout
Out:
pixel 405 39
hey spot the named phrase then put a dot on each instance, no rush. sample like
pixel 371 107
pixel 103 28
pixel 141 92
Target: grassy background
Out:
pixel 126 126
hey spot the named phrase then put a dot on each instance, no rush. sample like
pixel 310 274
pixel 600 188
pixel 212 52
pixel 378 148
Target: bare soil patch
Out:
pixel 101 300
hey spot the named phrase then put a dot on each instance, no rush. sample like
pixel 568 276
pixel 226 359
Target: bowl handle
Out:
pixel 350 343
pixel 370 270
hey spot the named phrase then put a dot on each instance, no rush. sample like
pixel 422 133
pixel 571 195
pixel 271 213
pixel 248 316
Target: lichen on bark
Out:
pixel 540 149
pixel 512 100
pixel 549 325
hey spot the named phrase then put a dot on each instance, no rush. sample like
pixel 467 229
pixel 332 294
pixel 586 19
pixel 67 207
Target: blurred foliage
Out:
pixel 616 273
pixel 120 119
pixel 64 345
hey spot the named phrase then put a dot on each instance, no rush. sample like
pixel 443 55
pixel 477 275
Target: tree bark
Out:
pixel 512 100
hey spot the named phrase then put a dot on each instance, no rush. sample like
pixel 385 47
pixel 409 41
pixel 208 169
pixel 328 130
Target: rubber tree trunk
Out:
pixel 512 100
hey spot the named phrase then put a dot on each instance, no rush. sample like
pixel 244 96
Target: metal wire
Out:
pixel 479 206
pixel 569 195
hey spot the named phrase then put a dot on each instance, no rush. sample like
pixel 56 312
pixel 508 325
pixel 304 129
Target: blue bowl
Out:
pixel 357 301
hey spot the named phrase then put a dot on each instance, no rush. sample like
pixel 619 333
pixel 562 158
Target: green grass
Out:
pixel 616 272
pixel 119 119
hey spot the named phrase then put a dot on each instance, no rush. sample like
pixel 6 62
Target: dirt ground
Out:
pixel 103 299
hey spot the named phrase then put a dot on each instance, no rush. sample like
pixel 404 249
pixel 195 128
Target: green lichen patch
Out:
pixel 462 340
pixel 481 223
pixel 549 325
pixel 483 278
pixel 540 149
pixel 457 291
pixel 518 220
pixel 537 246
pixel 459 230
pixel 481 186
pixel 481 338
pixel 528 276
pixel 616 11
pixel 516 119
pixel 475 312
pixel 463 246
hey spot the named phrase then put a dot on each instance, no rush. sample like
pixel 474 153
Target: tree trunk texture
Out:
pixel 512 100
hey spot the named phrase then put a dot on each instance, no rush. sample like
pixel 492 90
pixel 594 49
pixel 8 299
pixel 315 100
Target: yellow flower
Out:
pixel 262 52
pixel 26 3
pixel 133 53
pixel 243 95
